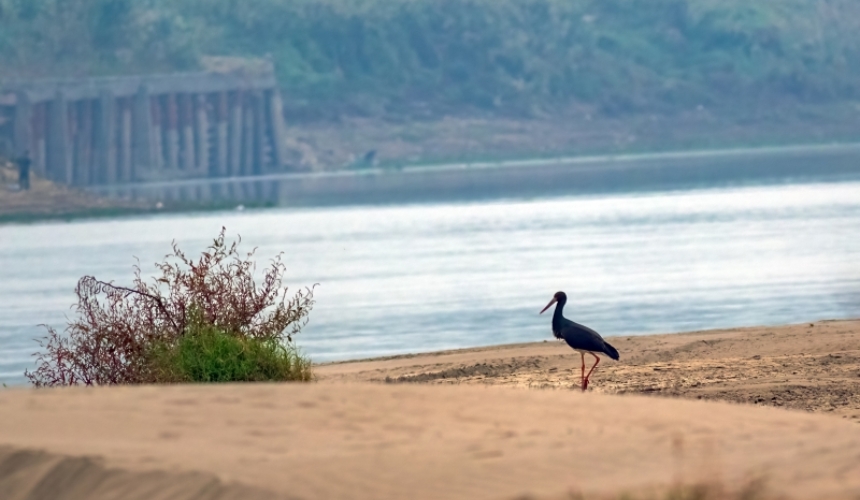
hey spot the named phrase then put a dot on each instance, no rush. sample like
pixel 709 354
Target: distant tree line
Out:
pixel 508 56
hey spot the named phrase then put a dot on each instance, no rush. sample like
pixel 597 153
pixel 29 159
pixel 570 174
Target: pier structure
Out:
pixel 111 131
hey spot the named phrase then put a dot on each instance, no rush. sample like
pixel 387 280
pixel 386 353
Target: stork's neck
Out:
pixel 557 317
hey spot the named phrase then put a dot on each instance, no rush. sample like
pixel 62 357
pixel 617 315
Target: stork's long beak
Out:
pixel 551 302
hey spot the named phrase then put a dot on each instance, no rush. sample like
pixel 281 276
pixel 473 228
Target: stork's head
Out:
pixel 559 297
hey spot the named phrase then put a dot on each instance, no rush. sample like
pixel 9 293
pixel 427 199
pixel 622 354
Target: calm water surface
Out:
pixel 398 279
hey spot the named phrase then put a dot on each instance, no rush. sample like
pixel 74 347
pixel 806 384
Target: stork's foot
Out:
pixel 584 385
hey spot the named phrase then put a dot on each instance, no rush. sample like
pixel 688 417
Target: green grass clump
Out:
pixel 208 354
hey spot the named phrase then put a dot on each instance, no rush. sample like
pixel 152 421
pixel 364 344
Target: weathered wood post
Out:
pixel 72 130
pixel 83 144
pixel 40 138
pixel 201 133
pixel 276 125
pixel 59 163
pixel 221 134
pixel 157 144
pixel 126 163
pixel 105 138
pixel 90 109
pixel 23 132
pixel 259 162
pixel 201 108
pixel 186 121
pixel 248 141
pixel 172 136
pixel 236 131
pixel 142 130
pixel 248 151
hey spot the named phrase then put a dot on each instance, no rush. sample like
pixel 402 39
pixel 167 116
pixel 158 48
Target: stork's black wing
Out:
pixel 582 337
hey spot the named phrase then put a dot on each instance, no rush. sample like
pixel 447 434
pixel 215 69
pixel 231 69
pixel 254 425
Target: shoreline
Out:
pixel 25 218
pixel 718 364
pixel 559 176
pixel 462 181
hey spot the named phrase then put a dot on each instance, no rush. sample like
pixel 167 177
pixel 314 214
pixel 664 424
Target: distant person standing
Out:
pixel 24 171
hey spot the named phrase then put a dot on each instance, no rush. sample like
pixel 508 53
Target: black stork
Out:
pixel 579 337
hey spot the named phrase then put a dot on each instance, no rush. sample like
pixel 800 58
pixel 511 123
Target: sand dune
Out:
pixel 27 474
pixel 342 438
pixel 347 441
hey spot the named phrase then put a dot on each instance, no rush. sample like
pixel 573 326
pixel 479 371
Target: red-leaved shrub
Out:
pixel 116 328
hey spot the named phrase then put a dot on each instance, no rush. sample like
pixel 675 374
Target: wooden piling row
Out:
pixel 84 133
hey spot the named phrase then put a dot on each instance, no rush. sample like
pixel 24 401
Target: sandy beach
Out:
pixel 779 405
pixel 810 366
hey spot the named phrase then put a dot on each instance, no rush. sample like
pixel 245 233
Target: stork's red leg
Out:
pixel 596 361
pixel 582 381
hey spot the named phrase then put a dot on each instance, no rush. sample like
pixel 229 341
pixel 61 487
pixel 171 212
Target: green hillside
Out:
pixel 509 56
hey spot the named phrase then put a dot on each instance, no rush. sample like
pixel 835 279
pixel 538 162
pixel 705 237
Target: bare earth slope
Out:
pixel 812 366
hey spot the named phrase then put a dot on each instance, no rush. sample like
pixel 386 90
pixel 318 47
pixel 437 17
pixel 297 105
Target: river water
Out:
pixel 409 278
